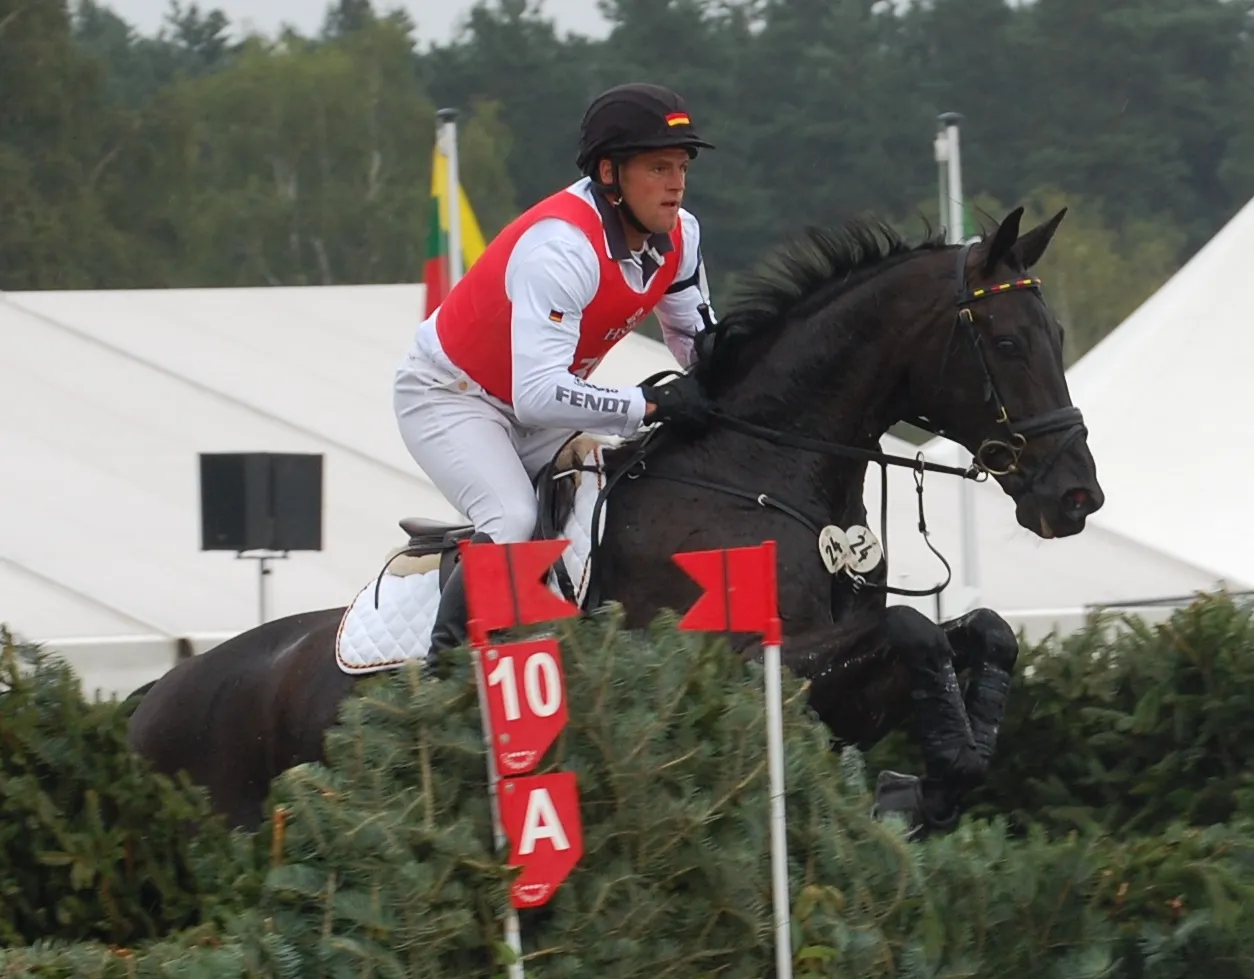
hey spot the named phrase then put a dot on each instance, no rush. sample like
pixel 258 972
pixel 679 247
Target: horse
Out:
pixel 838 335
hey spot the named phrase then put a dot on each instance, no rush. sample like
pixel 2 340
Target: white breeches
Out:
pixel 476 453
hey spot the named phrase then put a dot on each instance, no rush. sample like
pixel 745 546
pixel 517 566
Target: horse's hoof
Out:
pixel 943 824
pixel 941 811
pixel 900 795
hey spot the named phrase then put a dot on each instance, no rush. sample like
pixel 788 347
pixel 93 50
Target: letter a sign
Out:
pixel 541 817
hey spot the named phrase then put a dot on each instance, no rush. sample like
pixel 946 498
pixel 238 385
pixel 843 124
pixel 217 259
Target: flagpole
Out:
pixel 448 136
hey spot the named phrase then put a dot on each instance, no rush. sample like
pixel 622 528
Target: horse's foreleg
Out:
pixel 984 643
pixel 939 716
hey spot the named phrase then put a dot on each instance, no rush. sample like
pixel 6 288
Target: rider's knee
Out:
pixel 517 521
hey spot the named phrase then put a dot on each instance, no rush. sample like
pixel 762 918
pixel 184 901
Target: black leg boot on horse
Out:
pixel 941 728
pixel 985 645
pixel 450 631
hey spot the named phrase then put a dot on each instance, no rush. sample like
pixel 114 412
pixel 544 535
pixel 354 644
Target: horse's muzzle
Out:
pixel 1059 507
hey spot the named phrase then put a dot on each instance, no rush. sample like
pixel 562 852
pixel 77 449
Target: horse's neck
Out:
pixel 836 375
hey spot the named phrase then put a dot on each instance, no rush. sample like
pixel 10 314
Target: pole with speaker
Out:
pixel 953 217
pixel 262 505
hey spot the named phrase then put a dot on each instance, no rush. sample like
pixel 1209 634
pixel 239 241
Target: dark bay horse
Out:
pixel 840 335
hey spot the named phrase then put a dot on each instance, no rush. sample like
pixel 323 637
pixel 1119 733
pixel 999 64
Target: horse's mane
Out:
pixel 816 263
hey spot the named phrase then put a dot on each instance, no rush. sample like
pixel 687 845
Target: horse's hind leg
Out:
pixel 984 643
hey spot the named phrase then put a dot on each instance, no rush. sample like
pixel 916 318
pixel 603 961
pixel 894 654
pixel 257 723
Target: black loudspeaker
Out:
pixel 260 501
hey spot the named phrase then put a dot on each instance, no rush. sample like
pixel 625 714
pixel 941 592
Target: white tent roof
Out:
pixel 107 399
pixel 1168 401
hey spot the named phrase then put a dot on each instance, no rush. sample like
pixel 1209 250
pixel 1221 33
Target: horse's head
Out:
pixel 995 383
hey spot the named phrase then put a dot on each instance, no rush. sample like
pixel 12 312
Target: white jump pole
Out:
pixel 771 662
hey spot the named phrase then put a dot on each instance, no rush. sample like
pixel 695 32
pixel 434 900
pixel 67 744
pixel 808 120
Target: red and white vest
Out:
pixel 473 322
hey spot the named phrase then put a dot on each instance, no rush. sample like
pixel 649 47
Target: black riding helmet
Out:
pixel 630 119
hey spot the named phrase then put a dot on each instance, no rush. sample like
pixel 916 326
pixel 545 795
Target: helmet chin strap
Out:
pixel 620 201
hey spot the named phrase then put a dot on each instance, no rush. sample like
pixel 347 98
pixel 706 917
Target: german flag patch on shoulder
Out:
pixel 555 316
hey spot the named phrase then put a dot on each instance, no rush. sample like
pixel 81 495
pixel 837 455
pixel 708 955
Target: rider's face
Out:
pixel 653 185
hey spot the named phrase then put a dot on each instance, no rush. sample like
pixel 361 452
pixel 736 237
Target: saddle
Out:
pixel 434 544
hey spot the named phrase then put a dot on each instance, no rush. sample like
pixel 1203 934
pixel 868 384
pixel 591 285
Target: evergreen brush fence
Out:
pixel 1114 840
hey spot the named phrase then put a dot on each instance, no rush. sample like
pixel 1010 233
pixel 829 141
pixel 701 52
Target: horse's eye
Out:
pixel 1006 345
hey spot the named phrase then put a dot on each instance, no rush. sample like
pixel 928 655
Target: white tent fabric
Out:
pixel 1168 400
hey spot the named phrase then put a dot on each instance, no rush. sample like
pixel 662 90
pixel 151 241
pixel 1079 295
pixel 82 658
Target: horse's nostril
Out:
pixel 1078 499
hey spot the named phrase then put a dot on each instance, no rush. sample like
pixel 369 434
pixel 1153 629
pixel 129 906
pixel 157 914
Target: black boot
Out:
pixel 987 695
pixel 449 631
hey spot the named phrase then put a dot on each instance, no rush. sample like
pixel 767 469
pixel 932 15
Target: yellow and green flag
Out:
pixel 435 274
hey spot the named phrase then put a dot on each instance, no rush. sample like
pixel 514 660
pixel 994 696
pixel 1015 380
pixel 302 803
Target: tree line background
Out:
pixel 192 159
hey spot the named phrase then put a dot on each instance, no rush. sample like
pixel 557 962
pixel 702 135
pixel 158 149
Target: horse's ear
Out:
pixel 1032 244
pixel 1003 240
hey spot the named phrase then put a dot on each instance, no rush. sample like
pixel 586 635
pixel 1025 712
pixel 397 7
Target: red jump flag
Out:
pixel 739 585
pixel 505 587
pixel 542 821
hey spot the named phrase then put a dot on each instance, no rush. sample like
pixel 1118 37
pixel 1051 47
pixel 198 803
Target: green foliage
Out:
pixel 192 160
pixel 382 861
pixel 93 845
pixel 303 165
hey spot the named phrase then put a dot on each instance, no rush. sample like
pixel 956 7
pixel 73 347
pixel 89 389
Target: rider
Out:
pixel 496 379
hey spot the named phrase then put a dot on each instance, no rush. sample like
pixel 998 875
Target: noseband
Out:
pixel 1015 434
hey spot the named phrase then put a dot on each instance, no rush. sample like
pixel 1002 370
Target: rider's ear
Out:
pixel 1003 240
pixel 1032 244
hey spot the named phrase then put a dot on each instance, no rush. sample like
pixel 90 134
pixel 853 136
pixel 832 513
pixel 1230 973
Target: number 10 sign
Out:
pixel 526 702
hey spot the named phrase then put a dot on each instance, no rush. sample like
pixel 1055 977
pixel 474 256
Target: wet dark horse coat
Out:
pixel 841 335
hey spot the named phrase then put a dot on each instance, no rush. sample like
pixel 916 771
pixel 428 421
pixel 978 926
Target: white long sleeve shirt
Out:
pixel 552 275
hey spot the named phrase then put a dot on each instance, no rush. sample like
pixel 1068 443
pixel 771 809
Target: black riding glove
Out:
pixel 679 404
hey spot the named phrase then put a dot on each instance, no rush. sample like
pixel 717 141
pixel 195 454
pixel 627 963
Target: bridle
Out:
pixel 1068 420
pixel 1015 436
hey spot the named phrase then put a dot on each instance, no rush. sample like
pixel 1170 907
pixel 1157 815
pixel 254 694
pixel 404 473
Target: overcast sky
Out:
pixel 435 19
